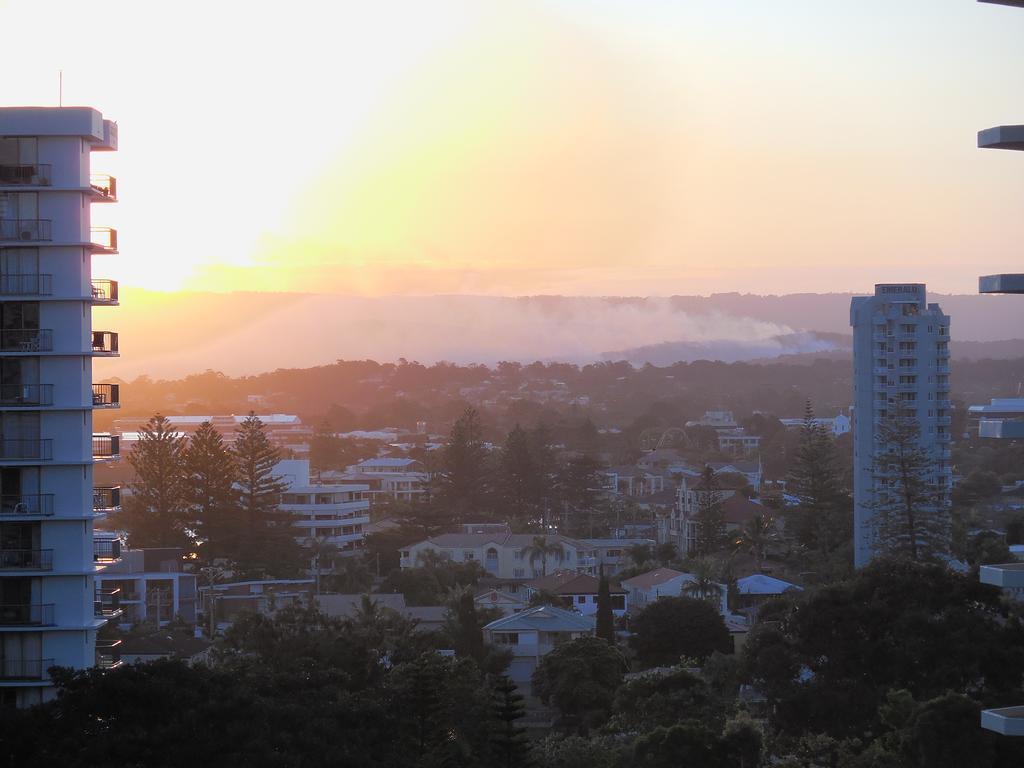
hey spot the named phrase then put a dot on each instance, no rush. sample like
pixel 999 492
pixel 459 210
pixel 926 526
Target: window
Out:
pixel 581 599
pixel 517 554
pixel 467 554
pixel 618 602
pixel 506 638
pixel 405 554
pixel 519 573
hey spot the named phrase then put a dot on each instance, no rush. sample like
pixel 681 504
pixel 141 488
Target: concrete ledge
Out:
pixel 1005 575
pixel 1002 137
pixel 1010 283
pixel 1009 721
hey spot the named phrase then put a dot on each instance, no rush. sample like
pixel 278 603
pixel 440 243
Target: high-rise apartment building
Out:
pixel 1008 721
pixel 900 364
pixel 50 609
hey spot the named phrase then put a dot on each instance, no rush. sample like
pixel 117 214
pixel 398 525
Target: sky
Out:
pixel 519 147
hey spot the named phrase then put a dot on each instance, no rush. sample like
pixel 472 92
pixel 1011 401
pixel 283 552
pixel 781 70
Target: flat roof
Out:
pixel 1002 136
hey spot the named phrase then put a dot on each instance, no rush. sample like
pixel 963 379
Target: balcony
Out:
pixel 108 654
pixel 103 239
pixel 26 340
pixel 880 336
pixel 106 550
pixel 104 344
pixel 943 437
pixel 106 498
pixel 1009 283
pixel 26 285
pixel 26 614
pixel 22 449
pixel 106 395
pixel 1002 136
pixel 25 230
pixel 1007 721
pixel 107 604
pixel 106 447
pixel 26 559
pixel 26 395
pixel 944 421
pixel 1005 576
pixel 26 505
pixel 104 188
pixel 26 175
pixel 881 370
pixel 24 669
pixel 104 291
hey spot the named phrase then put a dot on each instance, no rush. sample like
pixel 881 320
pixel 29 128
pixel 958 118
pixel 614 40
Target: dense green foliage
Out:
pixel 675 627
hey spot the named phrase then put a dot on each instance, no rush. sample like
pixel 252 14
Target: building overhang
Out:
pixel 1008 283
pixel 1005 575
pixel 1002 137
pixel 1008 721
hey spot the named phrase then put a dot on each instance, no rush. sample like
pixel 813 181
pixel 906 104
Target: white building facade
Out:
pixel 900 363
pixel 334 513
pixel 50 608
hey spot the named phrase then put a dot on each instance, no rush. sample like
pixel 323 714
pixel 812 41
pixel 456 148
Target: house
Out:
pixel 388 477
pixel 646 588
pixel 509 558
pixel 613 554
pixel 738 442
pixel 428 618
pixel 836 426
pixel 715 419
pixel 578 590
pixel 533 633
pixel 267 596
pixel 151 584
pixel 750 469
pixel 495 598
pixel 633 481
pixel 737 510
pixel 757 589
pixel 162 645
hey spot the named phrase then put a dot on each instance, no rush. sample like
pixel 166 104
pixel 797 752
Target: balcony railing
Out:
pixel 39 614
pixel 106 446
pixel 15 504
pixel 106 498
pixel 26 340
pixel 104 185
pixel 104 238
pixel 24 669
pixel 25 230
pixel 26 285
pixel 104 291
pixel 21 449
pixel 27 395
pixel 107 604
pixel 104 343
pixel 108 654
pixel 26 559
pixel 26 174
pixel 106 395
pixel 106 550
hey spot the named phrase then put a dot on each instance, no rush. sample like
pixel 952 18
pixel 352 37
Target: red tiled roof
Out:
pixel 738 509
pixel 653 578
pixel 570 583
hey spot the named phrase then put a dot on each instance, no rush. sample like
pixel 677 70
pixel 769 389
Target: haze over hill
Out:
pixel 168 335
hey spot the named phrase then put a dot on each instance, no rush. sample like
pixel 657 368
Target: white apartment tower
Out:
pixel 900 361
pixel 49 607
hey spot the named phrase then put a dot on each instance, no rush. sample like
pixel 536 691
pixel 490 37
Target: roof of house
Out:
pixel 387 462
pixel 496 596
pixel 667 497
pixel 163 644
pixel 654 578
pixel 735 466
pixel 543 618
pixel 738 509
pixel 571 583
pixel 759 584
pixel 346 606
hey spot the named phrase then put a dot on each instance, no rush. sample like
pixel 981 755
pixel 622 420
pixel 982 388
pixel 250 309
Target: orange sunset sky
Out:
pixel 562 146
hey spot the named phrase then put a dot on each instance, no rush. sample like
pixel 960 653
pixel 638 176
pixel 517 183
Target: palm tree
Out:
pixel 640 554
pixel 540 549
pixel 755 536
pixel 704 585
pixel 320 548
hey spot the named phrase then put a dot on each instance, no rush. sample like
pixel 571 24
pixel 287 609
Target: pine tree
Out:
pixel 462 487
pixel 821 522
pixel 508 739
pixel 911 516
pixel 468 638
pixel 605 620
pixel 211 471
pixel 518 477
pixel 710 515
pixel 267 543
pixel 158 512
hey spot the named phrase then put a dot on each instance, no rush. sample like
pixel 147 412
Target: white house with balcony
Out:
pixel 396 478
pixel 509 558
pixel 532 634
pixel 49 607
pixel 337 513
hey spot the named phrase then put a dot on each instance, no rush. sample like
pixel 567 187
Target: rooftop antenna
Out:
pixel 60 87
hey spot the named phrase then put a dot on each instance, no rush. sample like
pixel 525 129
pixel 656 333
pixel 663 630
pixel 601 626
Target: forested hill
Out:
pixel 370 395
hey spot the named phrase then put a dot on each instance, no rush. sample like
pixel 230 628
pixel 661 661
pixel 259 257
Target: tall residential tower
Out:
pixel 49 607
pixel 900 362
